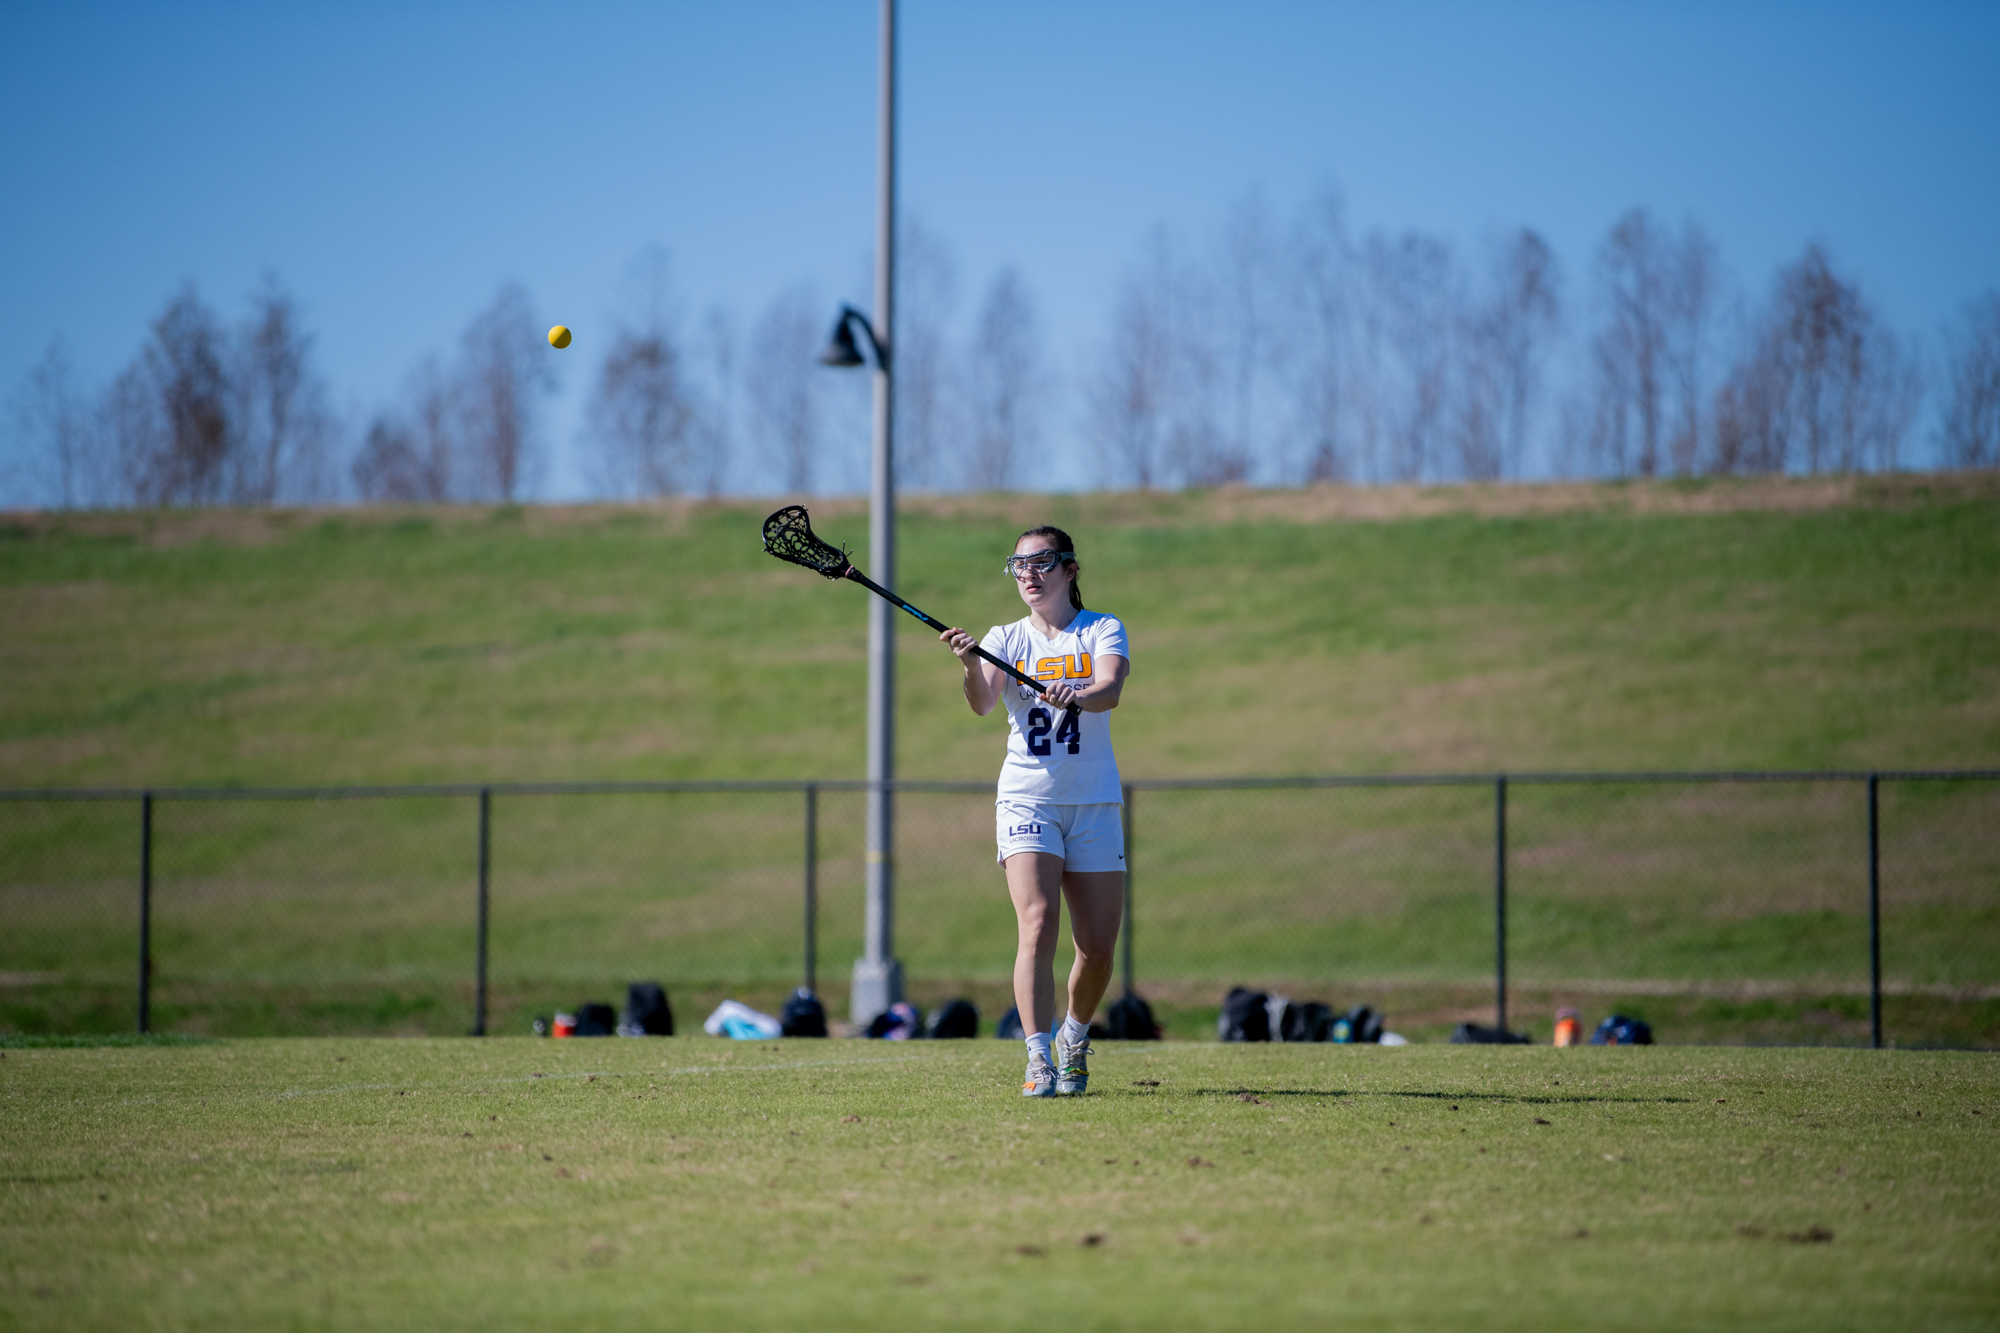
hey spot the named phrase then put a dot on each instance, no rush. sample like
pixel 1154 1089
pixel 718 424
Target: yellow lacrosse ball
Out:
pixel 559 336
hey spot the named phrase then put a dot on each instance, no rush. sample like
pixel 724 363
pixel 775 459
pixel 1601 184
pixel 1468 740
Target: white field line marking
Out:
pixel 593 1073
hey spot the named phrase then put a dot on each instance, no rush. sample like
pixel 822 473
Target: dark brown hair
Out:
pixel 1062 542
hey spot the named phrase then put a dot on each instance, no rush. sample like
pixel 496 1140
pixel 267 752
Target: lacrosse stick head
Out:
pixel 788 535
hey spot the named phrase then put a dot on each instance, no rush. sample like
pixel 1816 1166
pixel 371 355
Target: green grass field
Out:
pixel 1782 623
pixel 692 1183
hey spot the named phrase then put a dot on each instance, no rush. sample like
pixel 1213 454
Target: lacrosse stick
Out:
pixel 788 535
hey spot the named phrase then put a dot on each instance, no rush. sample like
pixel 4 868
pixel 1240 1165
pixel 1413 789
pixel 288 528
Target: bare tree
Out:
pixel 1693 291
pixel 784 403
pixel 1657 293
pixel 1198 450
pixel 506 370
pixel 1005 381
pixel 1969 431
pixel 1247 306
pixel 1824 385
pixel 436 399
pixel 386 469
pixel 1413 301
pixel 1478 411
pixel 56 435
pixel 641 411
pixel 281 422
pixel 643 414
pixel 1128 397
pixel 169 410
pixel 1629 349
pixel 928 440
pixel 715 401
pixel 1506 345
pixel 1322 291
pixel 408 456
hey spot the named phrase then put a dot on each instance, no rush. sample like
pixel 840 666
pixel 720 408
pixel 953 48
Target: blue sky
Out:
pixel 395 163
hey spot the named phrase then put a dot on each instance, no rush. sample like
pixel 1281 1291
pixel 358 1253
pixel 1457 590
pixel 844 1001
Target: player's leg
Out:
pixel 1096 907
pixel 1094 888
pixel 1096 902
pixel 1035 882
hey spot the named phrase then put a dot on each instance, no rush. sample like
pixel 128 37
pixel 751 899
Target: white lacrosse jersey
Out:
pixel 1050 758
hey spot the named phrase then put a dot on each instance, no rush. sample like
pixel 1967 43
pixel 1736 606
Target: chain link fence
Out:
pixel 1826 908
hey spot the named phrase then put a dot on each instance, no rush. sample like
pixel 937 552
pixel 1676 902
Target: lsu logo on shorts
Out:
pixel 1087 837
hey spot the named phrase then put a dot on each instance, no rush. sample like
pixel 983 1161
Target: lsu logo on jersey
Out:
pixel 1076 666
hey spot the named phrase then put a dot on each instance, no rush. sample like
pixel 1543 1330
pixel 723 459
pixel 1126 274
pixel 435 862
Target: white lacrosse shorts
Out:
pixel 1087 837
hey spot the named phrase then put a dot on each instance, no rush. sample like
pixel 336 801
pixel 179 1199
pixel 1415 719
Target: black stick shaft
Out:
pixel 941 627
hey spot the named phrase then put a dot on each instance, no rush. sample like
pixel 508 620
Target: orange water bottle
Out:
pixel 1569 1028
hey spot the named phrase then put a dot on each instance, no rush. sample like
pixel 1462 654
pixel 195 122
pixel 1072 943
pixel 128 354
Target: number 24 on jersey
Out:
pixel 1068 733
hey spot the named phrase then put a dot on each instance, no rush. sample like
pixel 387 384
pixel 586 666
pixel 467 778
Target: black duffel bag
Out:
pixel 647 1013
pixel 1245 1016
pixel 955 1018
pixel 595 1020
pixel 803 1016
pixel 1308 1021
pixel 1130 1018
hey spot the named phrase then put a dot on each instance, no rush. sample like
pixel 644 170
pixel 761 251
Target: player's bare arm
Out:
pixel 1100 695
pixel 983 681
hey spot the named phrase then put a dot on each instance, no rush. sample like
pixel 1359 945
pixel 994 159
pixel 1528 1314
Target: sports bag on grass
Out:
pixel 595 1020
pixel 1619 1030
pixel 647 1013
pixel 1245 1016
pixel 1307 1021
pixel 803 1016
pixel 1361 1024
pixel 955 1018
pixel 1130 1018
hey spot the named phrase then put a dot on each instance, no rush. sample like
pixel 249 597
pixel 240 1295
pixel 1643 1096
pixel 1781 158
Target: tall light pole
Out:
pixel 878 977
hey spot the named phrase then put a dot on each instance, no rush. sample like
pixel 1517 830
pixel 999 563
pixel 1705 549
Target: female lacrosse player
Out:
pixel 1059 811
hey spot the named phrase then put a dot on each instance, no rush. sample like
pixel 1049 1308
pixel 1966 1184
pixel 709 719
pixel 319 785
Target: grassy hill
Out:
pixel 1777 623
pixel 1782 623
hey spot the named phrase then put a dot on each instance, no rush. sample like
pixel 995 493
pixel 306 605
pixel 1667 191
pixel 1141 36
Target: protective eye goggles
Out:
pixel 1040 562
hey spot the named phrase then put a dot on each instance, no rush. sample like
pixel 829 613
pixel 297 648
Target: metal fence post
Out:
pixel 1874 914
pixel 1500 902
pixel 812 887
pixel 145 911
pixel 485 874
pixel 1127 932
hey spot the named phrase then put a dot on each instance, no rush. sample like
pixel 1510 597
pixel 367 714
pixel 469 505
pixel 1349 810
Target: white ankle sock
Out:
pixel 1074 1032
pixel 1038 1044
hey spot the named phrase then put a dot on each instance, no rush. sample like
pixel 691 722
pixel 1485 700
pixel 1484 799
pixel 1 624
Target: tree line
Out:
pixel 1283 349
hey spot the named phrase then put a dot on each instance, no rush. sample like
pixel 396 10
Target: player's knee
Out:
pixel 1093 955
pixel 1038 925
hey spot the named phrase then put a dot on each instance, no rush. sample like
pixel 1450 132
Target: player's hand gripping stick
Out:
pixel 788 535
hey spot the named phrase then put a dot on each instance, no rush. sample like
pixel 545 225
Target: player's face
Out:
pixel 1043 582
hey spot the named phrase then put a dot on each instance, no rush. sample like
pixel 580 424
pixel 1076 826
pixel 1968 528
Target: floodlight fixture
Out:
pixel 842 350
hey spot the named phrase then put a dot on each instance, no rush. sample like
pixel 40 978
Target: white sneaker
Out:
pixel 1073 1064
pixel 1041 1077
